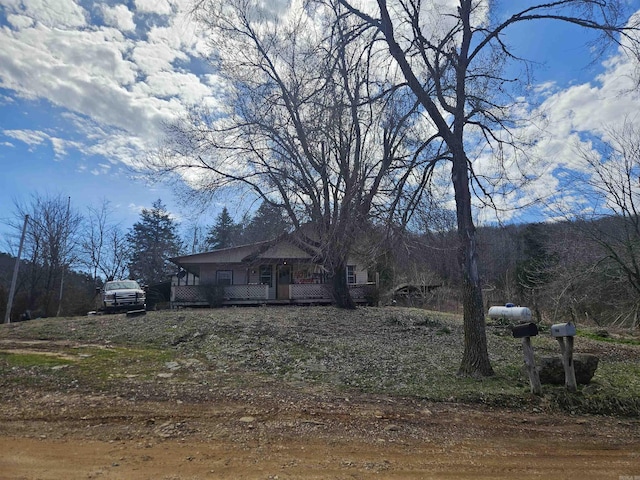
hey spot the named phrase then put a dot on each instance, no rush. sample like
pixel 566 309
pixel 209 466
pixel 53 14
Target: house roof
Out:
pixel 282 248
pixel 223 255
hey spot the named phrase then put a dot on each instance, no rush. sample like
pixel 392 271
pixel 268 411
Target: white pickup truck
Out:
pixel 122 295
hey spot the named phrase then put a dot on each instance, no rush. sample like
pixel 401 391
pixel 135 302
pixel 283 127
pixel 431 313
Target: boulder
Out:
pixel 552 372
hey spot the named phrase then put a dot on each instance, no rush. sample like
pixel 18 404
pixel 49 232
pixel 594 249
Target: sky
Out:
pixel 86 87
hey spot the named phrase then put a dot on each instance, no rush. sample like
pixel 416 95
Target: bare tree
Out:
pixel 312 124
pixel 104 247
pixel 51 245
pixel 452 59
pixel 195 238
pixel 611 219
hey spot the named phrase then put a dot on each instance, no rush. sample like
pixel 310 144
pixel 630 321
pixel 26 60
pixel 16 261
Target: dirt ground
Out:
pixel 297 435
pixel 177 427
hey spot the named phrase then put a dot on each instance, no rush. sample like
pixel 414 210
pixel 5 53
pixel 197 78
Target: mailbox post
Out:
pixel 526 331
pixel 564 333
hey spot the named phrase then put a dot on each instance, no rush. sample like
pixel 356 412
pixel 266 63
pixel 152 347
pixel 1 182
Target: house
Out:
pixel 272 272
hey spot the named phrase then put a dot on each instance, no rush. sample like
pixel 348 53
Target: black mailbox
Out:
pixel 524 330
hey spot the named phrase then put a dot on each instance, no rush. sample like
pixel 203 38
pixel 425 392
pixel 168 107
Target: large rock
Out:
pixel 552 372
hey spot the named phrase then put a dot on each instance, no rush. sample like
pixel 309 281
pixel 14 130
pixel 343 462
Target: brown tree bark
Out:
pixel 475 359
pixel 340 288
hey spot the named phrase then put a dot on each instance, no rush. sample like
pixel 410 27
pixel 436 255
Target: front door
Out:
pixel 284 280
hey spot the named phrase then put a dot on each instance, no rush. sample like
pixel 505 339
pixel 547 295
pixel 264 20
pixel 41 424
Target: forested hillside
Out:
pixel 583 271
pixel 565 271
pixel 37 287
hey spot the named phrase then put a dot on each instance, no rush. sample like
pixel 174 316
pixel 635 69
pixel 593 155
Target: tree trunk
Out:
pixel 340 289
pixel 475 359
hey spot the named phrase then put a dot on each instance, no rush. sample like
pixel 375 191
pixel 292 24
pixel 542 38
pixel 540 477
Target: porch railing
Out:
pixel 202 294
pixel 309 291
pixel 188 294
pixel 322 291
pixel 360 291
pixel 246 292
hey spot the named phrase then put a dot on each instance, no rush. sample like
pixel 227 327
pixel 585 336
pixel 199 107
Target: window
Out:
pixel 265 275
pixel 351 274
pixel 224 277
pixel 122 285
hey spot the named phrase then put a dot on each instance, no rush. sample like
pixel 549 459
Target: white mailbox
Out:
pixel 520 314
pixel 563 330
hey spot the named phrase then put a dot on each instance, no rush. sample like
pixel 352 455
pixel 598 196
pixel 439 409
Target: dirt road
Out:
pixel 291 435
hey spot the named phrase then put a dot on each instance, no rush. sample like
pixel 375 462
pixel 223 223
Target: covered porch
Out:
pixel 258 274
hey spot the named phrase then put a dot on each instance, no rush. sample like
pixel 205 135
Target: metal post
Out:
pixel 14 279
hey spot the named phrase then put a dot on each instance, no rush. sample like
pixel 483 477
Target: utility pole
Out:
pixel 195 239
pixel 64 253
pixel 14 279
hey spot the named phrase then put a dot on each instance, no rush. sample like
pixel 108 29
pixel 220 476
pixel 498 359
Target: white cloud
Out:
pixel 30 137
pixel 64 67
pixel 59 146
pixel 571 116
pixel 117 82
pixel 546 88
pixel 119 17
pixel 20 21
pixel 137 209
pixel 186 86
pixel 6 100
pixel 160 7
pixel 51 13
pixel 155 57
pixel 101 169
pixel 117 86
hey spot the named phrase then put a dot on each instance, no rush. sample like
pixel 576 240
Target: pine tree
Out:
pixel 225 232
pixel 153 241
pixel 269 222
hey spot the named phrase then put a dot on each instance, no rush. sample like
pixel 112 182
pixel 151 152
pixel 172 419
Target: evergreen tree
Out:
pixel 269 222
pixel 153 241
pixel 534 271
pixel 224 233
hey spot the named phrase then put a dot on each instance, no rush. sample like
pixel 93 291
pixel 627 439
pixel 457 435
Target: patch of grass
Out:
pixel 30 360
pixel 598 402
pixel 600 338
pixel 444 330
pixel 103 365
pixel 87 367
pixel 621 378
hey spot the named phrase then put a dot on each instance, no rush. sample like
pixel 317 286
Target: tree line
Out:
pixel 580 270
pixel 563 271
pixel 67 253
